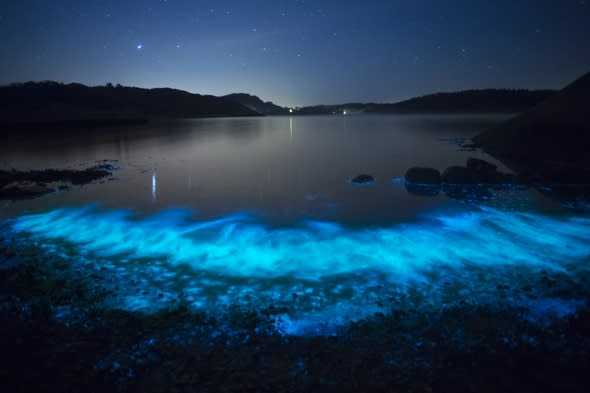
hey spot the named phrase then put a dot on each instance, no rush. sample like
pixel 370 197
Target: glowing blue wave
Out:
pixel 321 270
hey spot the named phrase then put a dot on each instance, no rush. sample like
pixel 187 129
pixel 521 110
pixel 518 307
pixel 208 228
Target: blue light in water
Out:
pixel 341 273
pixel 154 186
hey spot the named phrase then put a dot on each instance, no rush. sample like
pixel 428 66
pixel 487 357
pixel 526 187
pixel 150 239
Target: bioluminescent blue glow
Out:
pixel 324 272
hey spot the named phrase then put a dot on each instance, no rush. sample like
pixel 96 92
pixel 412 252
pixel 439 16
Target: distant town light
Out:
pixel 290 110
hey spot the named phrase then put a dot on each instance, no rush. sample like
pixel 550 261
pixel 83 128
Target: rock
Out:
pixel 481 166
pixel 459 175
pixel 419 175
pixel 363 179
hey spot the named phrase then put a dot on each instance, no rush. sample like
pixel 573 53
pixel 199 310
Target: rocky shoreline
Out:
pixel 16 184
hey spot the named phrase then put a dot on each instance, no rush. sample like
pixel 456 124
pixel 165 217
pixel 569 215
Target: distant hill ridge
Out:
pixel 485 100
pixel 73 104
pixel 256 104
pixel 47 102
pixel 466 101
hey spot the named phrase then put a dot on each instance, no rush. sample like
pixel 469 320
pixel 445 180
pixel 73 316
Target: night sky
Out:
pixel 298 52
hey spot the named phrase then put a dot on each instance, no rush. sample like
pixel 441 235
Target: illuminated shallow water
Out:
pixel 323 273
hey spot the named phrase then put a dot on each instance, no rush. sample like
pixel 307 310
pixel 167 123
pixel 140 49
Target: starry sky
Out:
pixel 298 52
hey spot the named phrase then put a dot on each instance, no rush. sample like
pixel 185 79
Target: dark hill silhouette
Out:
pixel 468 101
pixel 556 131
pixel 52 103
pixel 56 103
pixel 256 104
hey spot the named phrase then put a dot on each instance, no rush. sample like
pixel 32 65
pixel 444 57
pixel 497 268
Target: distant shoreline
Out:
pixel 51 104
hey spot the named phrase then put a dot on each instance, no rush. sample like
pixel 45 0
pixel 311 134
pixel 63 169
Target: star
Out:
pixel 139 47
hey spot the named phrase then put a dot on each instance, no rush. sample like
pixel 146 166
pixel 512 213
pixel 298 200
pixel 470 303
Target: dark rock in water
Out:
pixel 363 179
pixel 429 190
pixel 481 166
pixel 459 175
pixel 419 175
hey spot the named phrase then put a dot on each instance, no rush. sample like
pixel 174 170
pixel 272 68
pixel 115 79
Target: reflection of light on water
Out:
pixel 154 186
pixel 339 272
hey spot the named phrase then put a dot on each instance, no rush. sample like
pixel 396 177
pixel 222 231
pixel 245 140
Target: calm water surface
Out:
pixel 285 168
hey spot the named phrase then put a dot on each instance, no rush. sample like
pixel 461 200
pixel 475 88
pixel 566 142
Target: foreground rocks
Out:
pixel 477 181
pixel 29 184
pixel 476 171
